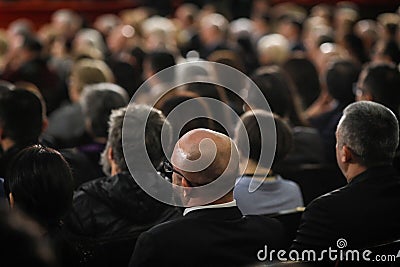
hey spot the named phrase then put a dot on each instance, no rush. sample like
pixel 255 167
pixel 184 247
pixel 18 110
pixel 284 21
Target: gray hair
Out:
pixel 371 131
pixel 97 102
pixel 152 136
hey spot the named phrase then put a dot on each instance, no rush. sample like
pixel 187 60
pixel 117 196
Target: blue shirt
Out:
pixel 274 194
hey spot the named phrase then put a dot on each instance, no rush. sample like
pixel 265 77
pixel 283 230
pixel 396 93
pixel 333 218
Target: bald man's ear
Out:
pixel 368 96
pixel 184 183
pixel 45 124
pixel 11 199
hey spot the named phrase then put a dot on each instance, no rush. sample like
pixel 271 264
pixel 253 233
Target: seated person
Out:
pixel 364 212
pixel 97 102
pixel 66 124
pixel 40 184
pixel 22 118
pixel 115 207
pixel 282 99
pixel 275 193
pixel 213 234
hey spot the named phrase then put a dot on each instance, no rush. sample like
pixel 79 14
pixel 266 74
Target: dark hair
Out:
pixel 371 131
pixel 392 50
pixel 305 77
pixel 251 130
pixel 21 116
pixel 277 90
pixel 340 77
pixel 382 81
pixel 41 184
pixel 356 47
pixel 160 60
pixel 97 102
pixel 197 106
pixel 31 43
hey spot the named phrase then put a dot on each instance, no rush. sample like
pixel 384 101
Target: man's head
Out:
pixel 340 77
pixel 21 118
pixel 213 28
pixel 97 102
pixel 202 156
pixel 367 135
pixel 273 49
pixel 380 83
pixel 157 61
pixel 113 155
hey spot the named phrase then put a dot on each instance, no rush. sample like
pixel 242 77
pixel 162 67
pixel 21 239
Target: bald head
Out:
pixel 203 155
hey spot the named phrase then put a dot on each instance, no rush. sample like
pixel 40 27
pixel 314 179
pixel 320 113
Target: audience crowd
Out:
pixel 71 198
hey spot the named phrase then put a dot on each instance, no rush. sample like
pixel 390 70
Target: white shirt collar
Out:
pixel 215 206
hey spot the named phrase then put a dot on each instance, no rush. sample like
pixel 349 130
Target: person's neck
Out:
pixel 354 170
pixel 225 199
pixel 253 168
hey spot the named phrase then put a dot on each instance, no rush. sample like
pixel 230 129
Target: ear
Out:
pixel 110 154
pixel 45 124
pixel 368 97
pixel 11 197
pixel 346 155
pixel 185 183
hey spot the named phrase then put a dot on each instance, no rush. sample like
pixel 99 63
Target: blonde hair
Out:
pixel 91 71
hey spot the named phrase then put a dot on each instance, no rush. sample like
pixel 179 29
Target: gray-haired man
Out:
pixel 365 211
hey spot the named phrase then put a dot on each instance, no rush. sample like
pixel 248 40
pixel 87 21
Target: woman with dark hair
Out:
pixel 40 184
pixel 283 101
pixel 275 194
pixel 305 77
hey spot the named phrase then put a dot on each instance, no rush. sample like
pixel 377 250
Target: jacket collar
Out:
pixel 228 213
pixel 374 172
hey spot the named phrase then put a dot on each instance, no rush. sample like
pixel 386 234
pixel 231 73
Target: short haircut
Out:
pixel 340 77
pixel 31 43
pixel 160 60
pixel 382 81
pixel 98 101
pixel 371 131
pixel 91 71
pixel 41 183
pixel 251 130
pixel 21 116
pixel 137 115
pixel 275 47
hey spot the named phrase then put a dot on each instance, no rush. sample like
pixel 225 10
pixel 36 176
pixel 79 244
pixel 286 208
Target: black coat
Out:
pixel 112 212
pixel 113 206
pixel 365 212
pixel 207 237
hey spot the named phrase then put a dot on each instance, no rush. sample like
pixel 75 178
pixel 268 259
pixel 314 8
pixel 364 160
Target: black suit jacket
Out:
pixel 208 237
pixel 365 212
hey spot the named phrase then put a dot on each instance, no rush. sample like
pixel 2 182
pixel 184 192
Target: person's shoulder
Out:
pixel 329 201
pixel 170 225
pixel 264 222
